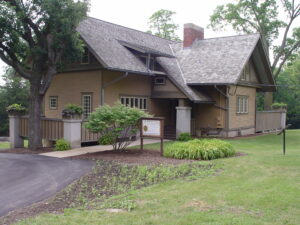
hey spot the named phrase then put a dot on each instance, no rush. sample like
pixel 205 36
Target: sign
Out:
pixel 152 128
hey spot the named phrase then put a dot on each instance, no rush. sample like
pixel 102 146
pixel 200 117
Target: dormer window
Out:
pixel 152 62
pixel 85 59
pixel 246 73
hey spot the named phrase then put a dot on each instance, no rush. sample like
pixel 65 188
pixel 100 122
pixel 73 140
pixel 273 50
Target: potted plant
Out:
pixel 16 110
pixel 72 111
pixel 279 106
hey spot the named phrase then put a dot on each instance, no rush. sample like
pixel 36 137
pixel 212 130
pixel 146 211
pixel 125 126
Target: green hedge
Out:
pixel 199 149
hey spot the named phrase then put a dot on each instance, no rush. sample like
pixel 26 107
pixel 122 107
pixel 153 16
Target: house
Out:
pixel 200 86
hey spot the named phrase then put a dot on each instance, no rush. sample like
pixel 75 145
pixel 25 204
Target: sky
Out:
pixel 135 14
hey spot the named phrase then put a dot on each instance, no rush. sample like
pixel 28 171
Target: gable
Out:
pixel 248 75
pixel 216 60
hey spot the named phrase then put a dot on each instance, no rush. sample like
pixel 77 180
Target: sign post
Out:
pixel 152 128
pixel 283 136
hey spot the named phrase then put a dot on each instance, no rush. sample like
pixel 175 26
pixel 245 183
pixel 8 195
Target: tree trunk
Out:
pixel 35 109
pixel 268 101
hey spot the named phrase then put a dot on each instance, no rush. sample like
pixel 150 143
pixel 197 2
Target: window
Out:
pixel 85 59
pixel 53 102
pixel 134 102
pixel 246 72
pixel 152 62
pixel 159 80
pixel 86 105
pixel 242 104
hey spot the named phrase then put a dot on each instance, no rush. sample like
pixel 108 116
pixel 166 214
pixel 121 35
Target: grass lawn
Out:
pixel 4 145
pixel 262 187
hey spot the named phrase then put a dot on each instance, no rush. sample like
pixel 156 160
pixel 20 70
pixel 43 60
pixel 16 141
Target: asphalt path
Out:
pixel 26 179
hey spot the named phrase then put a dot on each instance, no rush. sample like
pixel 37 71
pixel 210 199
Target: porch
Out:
pixel 178 122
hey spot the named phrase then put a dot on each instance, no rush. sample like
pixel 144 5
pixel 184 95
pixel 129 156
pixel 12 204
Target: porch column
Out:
pixel 183 120
pixel 72 132
pixel 14 132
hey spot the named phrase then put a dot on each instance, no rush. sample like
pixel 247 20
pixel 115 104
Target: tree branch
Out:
pixel 26 20
pixel 294 12
pixel 287 55
pixel 282 46
pixel 16 65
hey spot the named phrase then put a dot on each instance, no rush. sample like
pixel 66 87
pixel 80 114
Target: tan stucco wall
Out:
pixel 242 120
pixel 208 115
pixel 132 85
pixel 169 89
pixel 135 85
pixel 69 88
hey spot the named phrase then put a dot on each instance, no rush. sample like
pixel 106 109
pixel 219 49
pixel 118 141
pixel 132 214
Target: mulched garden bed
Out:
pixel 26 151
pixel 110 177
pixel 133 157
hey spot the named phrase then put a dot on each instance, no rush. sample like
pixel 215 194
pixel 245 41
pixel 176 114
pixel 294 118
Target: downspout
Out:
pixel 226 107
pixel 110 83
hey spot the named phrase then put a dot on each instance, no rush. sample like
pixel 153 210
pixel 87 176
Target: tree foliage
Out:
pixel 161 24
pixel 116 124
pixel 289 91
pixel 248 16
pixel 35 37
pixel 14 91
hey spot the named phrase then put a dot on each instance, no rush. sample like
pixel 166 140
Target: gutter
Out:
pixel 110 83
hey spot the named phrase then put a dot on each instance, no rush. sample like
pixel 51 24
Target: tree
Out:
pixel 35 37
pixel 14 90
pixel 116 124
pixel 289 91
pixel 161 24
pixel 250 16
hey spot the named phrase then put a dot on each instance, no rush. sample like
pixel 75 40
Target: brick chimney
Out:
pixel 192 32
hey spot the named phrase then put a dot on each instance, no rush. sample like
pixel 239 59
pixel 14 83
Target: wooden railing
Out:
pixel 24 127
pixel 52 129
pixel 88 136
pixel 270 120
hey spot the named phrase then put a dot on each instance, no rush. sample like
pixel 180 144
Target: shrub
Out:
pixel 199 149
pixel 72 110
pixel 16 109
pixel 118 123
pixel 184 137
pixel 62 145
pixel 106 139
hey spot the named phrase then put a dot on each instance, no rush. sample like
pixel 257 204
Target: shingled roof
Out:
pixel 206 62
pixel 216 60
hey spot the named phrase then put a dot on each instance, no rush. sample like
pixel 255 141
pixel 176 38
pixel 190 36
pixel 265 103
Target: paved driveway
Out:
pixel 26 179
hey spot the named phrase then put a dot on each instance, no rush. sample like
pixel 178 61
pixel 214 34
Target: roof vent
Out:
pixel 191 33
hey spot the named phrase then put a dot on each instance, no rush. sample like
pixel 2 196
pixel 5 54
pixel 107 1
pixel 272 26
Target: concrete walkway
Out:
pixel 93 149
